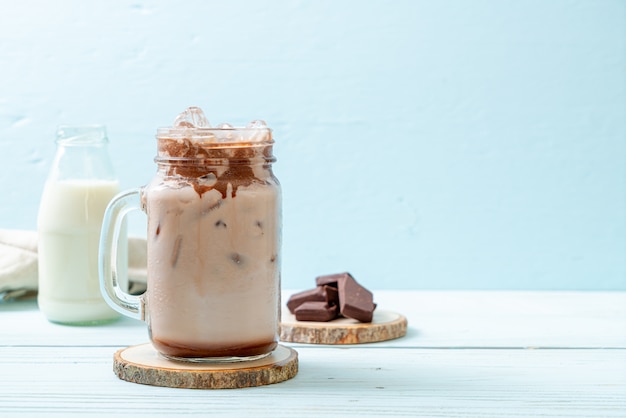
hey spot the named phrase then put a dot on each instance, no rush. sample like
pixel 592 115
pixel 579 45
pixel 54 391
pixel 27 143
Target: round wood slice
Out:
pixel 142 364
pixel 385 325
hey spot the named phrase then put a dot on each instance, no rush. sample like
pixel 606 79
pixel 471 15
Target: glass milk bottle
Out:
pixel 80 185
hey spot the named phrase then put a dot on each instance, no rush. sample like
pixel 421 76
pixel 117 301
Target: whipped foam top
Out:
pixel 193 125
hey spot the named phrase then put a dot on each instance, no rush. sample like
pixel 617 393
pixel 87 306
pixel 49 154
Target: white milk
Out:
pixel 69 222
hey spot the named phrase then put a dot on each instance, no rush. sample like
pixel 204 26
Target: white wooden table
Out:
pixel 487 354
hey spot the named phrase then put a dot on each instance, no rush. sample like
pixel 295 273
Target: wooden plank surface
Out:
pixel 436 319
pixel 483 354
pixel 336 382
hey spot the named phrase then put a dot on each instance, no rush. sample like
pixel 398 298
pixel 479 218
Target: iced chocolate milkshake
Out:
pixel 214 226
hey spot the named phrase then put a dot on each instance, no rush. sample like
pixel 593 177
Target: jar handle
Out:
pixel 123 302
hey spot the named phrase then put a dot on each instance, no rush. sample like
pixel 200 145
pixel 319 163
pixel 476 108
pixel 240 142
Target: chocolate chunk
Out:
pixel 355 301
pixel 332 295
pixel 312 295
pixel 319 294
pixel 342 290
pixel 315 311
pixel 331 279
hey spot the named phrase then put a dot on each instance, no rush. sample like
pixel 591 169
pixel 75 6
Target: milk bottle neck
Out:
pixel 82 154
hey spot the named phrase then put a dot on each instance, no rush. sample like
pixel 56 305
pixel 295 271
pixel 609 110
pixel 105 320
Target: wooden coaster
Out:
pixel 386 325
pixel 142 364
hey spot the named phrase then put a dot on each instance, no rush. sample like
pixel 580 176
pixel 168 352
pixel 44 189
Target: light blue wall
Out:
pixel 421 144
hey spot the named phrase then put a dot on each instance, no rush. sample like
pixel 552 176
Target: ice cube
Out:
pixel 192 117
pixel 257 131
pixel 225 133
pixel 257 124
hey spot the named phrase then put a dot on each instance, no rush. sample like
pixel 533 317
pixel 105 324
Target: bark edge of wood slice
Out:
pixel 142 364
pixel 386 325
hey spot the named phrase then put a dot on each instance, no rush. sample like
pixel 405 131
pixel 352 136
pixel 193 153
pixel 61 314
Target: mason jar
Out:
pixel 213 245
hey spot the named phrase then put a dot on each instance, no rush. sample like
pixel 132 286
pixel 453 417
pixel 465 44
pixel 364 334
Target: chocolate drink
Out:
pixel 213 245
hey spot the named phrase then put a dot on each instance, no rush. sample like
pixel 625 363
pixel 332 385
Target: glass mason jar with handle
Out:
pixel 213 243
pixel 80 185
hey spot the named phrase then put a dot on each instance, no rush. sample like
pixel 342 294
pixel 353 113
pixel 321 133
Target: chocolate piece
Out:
pixel 319 294
pixel 355 301
pixel 315 311
pixel 332 295
pixel 333 290
pixel 297 299
pixel 331 279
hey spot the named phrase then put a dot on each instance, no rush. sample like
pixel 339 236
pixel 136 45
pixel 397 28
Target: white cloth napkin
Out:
pixel 18 264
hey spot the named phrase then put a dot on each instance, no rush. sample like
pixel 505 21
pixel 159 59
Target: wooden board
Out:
pixel 460 319
pixel 142 364
pixel 465 354
pixel 386 325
